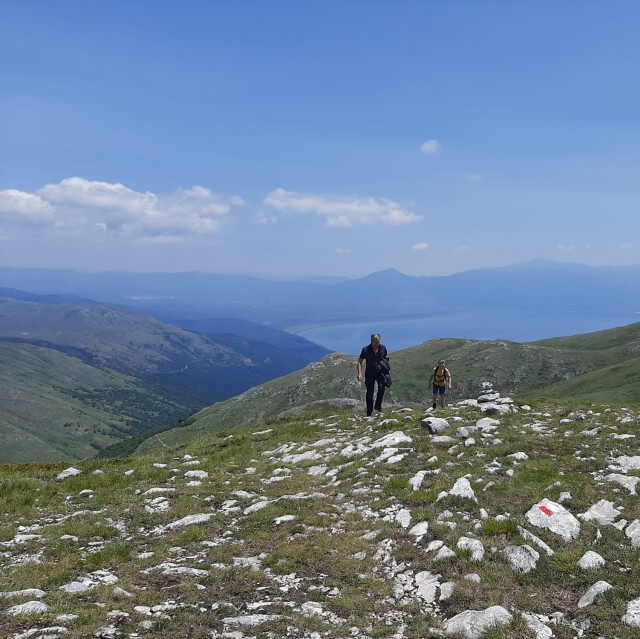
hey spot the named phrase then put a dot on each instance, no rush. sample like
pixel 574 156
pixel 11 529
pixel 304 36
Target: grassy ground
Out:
pixel 330 550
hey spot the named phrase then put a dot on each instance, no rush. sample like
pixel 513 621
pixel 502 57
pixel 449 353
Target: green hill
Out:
pixel 598 366
pixel 56 407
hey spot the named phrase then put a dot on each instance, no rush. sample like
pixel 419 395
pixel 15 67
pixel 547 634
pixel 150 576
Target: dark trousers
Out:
pixel 370 383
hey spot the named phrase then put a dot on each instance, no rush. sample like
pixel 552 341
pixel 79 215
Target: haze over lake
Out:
pixel 518 326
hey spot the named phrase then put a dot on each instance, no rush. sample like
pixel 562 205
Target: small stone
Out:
pixel 597 589
pixel 69 472
pixel 591 560
pixel 522 558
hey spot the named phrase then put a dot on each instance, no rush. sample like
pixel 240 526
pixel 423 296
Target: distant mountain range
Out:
pixel 554 289
pixel 601 367
pixel 77 378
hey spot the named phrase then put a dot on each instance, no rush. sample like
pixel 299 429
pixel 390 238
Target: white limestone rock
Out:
pixel 435 425
pixel 310 455
pixel 69 472
pixel 91 581
pixel 36 593
pixel 416 481
pixel 196 474
pixel 189 520
pixel 487 424
pixel 404 517
pixel 542 631
pixel 632 617
pixel 522 558
pixel 625 463
pixel 602 512
pixel 472 624
pixel 473 545
pixel 633 533
pixel 427 585
pixel 420 529
pixel 443 439
pixel 591 560
pixel 27 608
pixel 462 488
pixel 444 553
pixel 488 397
pixel 627 482
pixel 597 589
pixel 392 439
pixel 495 409
pixel 554 517
pixel 250 620
pixel 529 536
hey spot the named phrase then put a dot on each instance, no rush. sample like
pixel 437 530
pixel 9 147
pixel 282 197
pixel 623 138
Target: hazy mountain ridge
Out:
pixel 556 287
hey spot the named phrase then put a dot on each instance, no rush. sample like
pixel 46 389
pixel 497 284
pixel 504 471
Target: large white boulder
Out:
pixel 554 517
pixel 472 624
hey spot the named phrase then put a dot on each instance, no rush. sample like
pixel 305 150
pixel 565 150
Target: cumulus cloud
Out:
pixel 430 147
pixel 420 246
pixel 24 206
pixel 77 204
pixel 342 211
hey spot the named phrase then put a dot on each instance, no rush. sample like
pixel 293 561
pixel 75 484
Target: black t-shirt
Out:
pixel 372 358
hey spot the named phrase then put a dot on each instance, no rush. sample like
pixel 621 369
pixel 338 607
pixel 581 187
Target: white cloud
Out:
pixel 430 147
pixel 420 246
pixel 566 248
pixel 77 205
pixel 341 211
pixel 24 206
pixel 264 220
pixel 472 177
pixel 462 248
pixel 626 246
pixel 343 251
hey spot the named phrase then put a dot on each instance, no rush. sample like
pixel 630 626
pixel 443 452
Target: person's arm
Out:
pixel 360 369
pixel 449 378
pixel 431 378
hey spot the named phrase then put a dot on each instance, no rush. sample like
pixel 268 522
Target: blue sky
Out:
pixel 318 138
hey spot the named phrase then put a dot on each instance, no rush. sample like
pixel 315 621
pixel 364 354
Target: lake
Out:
pixel 518 326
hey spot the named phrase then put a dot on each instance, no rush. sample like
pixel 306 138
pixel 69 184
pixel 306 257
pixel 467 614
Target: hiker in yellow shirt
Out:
pixel 440 378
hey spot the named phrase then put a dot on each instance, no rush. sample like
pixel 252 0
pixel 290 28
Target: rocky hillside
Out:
pixel 488 520
pixel 600 366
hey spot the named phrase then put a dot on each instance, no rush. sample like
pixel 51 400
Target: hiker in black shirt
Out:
pixel 373 354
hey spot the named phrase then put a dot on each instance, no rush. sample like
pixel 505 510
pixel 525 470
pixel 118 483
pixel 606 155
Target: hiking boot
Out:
pixel 434 406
